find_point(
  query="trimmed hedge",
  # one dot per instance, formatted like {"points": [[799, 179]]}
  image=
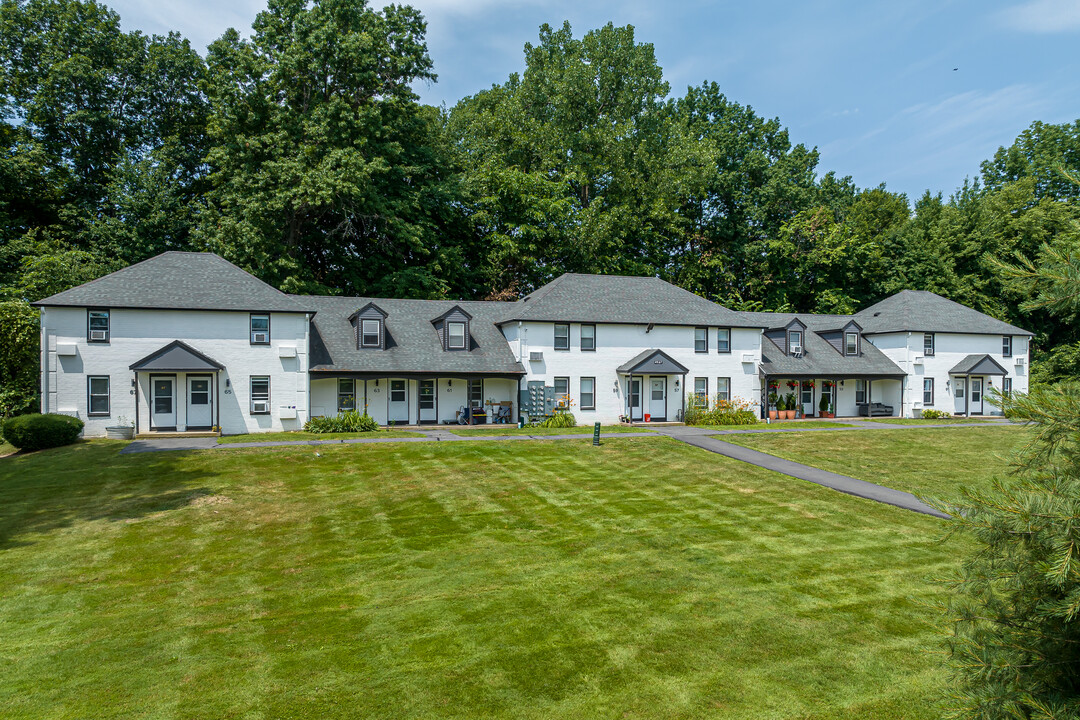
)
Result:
{"points": [[348, 421], [37, 432]]}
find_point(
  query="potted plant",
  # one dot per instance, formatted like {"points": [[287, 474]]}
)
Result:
{"points": [[825, 407], [774, 408], [789, 405], [123, 430]]}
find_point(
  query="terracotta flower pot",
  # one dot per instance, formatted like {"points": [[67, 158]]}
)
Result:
{"points": [[772, 414]]}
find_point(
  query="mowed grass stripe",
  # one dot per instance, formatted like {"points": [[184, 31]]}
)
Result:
{"points": [[644, 578]]}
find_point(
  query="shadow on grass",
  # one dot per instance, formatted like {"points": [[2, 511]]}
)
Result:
{"points": [[52, 489]]}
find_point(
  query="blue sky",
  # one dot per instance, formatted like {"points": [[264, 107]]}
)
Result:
{"points": [[870, 84]]}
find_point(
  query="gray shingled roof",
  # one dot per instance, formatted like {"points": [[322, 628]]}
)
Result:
{"points": [[820, 359], [180, 281], [645, 361], [177, 356], [819, 323], [978, 364], [413, 344], [923, 311], [620, 299]]}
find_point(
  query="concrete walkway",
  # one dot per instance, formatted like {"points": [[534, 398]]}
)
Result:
{"points": [[835, 481]]}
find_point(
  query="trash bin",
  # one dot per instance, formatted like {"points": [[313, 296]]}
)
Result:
{"points": [[648, 417]]}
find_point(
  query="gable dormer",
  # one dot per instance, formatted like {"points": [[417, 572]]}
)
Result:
{"points": [[454, 329], [795, 338], [369, 322], [846, 340]]}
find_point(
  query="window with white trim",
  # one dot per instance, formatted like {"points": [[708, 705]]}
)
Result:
{"points": [[928, 343], [723, 388], [851, 343], [346, 394], [1006, 345], [455, 333], [1006, 386], [260, 395], [97, 390], [476, 393], [723, 340], [370, 332], [562, 336], [588, 338], [795, 342], [259, 327], [860, 392], [928, 391], [97, 326], [588, 393]]}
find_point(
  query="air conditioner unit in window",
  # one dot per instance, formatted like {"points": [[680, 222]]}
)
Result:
{"points": [[99, 335], [260, 406], [259, 337], [796, 352]]}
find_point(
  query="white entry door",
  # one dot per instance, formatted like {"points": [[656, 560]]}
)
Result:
{"points": [[427, 401], [658, 398], [200, 408], [397, 409], [976, 396], [634, 398], [807, 399], [163, 403]]}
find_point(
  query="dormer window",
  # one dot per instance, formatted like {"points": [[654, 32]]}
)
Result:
{"points": [[795, 345], [370, 330], [455, 332], [851, 343]]}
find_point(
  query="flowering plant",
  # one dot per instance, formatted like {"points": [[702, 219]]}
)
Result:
{"points": [[792, 384], [808, 384], [826, 384]]}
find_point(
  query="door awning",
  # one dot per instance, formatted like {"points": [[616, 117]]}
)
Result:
{"points": [[978, 365], [176, 357], [652, 362]]}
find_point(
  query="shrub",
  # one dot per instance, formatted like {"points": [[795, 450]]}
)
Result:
{"points": [[560, 419], [935, 414], [724, 412], [348, 421], [37, 432]]}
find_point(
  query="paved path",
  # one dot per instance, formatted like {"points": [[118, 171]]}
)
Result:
{"points": [[843, 483]]}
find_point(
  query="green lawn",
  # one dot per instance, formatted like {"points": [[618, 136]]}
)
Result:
{"points": [[640, 579], [789, 425], [930, 462], [299, 435], [6, 448], [939, 421], [538, 431]]}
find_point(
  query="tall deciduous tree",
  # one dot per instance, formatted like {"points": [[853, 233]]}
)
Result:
{"points": [[327, 172]]}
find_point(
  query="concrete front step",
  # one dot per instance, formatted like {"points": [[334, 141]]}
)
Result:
{"points": [[167, 434]]}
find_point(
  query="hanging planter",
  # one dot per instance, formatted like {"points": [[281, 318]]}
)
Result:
{"points": [[792, 384], [808, 384]]}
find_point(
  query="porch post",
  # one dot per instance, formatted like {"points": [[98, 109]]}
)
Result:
{"points": [[137, 402], [902, 384], [630, 399], [967, 396], [682, 410]]}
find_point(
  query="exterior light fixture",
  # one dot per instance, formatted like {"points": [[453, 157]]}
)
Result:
{"points": [[676, 384]]}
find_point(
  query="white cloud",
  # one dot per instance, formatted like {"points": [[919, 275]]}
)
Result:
{"points": [[1042, 16]]}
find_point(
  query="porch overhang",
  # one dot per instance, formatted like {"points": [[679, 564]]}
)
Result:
{"points": [[979, 364], [652, 362], [177, 356]]}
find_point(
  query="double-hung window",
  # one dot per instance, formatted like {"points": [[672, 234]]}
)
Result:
{"points": [[795, 342], [928, 391], [260, 395], [851, 343], [346, 394], [928, 344], [588, 393], [1006, 345], [723, 340], [456, 335], [97, 391], [260, 329], [369, 333], [723, 388], [860, 392], [562, 391], [701, 392], [562, 336], [701, 340], [588, 338], [97, 326]]}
